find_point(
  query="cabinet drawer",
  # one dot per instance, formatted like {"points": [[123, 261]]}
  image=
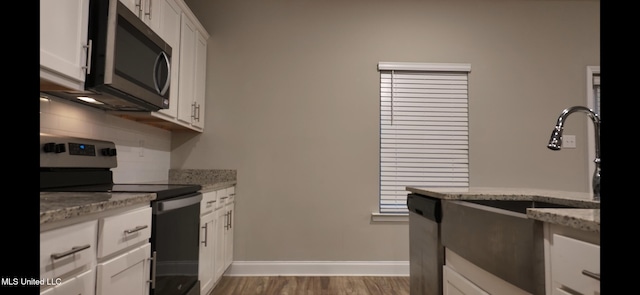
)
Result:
{"points": [[121, 231], [569, 259], [222, 197], [66, 249], [208, 202], [127, 273], [83, 284], [231, 192]]}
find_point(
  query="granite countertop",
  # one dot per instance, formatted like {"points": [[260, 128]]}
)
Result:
{"points": [[585, 217], [209, 179], [56, 206]]}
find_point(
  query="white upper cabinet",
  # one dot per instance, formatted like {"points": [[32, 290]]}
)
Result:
{"points": [[149, 11], [193, 53], [63, 42]]}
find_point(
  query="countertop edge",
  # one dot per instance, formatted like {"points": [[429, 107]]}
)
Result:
{"points": [[63, 205], [586, 217]]}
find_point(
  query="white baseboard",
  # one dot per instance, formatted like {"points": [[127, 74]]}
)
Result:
{"points": [[318, 268]]}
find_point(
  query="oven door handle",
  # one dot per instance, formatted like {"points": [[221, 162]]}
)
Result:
{"points": [[172, 204]]}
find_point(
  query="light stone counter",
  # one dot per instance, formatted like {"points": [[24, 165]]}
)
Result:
{"points": [[58, 206], [209, 179], [587, 217], [582, 219]]}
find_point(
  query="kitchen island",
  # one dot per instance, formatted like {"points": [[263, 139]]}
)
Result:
{"points": [[517, 240]]}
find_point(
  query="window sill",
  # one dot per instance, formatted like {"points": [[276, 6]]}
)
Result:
{"points": [[389, 217]]}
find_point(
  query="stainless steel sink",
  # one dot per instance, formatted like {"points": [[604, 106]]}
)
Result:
{"points": [[497, 236]]}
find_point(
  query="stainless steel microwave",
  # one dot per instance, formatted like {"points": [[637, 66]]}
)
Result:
{"points": [[129, 64]]}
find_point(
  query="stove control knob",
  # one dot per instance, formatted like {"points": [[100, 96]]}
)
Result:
{"points": [[52, 147], [109, 152], [60, 148], [49, 147]]}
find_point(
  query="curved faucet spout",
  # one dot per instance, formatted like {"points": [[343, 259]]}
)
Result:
{"points": [[555, 142]]}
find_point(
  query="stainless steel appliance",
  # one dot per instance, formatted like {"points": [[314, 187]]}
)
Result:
{"points": [[71, 164], [130, 65], [426, 253]]}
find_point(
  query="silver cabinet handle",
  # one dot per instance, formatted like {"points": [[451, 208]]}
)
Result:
{"points": [[139, 6], [193, 110], [153, 270], [222, 198], [73, 250], [591, 274], [226, 221], [137, 228], [209, 202], [205, 234], [89, 48], [230, 216], [149, 7]]}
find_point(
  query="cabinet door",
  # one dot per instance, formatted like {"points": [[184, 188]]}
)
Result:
{"points": [[571, 262], [83, 284], [63, 41], [125, 274], [200, 80], [187, 70], [455, 284], [124, 230], [228, 237], [133, 5], [206, 263], [221, 217], [67, 249]]}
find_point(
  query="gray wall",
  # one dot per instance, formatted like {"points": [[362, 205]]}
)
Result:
{"points": [[292, 104]]}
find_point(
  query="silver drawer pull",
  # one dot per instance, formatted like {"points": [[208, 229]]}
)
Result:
{"points": [[591, 274], [138, 228], [209, 202], [222, 198], [72, 251]]}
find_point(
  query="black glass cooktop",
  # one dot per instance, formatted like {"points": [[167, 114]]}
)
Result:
{"points": [[163, 191]]}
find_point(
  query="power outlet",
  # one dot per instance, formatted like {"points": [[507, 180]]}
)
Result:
{"points": [[141, 151], [569, 141]]}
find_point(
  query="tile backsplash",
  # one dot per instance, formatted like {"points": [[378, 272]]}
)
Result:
{"points": [[143, 151]]}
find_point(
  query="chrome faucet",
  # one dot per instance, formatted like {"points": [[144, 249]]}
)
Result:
{"points": [[555, 142]]}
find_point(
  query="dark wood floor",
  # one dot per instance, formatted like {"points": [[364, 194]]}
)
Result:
{"points": [[324, 285]]}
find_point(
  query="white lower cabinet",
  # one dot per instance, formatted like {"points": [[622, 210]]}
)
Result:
{"points": [[455, 284], [82, 284], [216, 236], [573, 259], [125, 274], [220, 242], [208, 239], [461, 276], [107, 253], [228, 233]]}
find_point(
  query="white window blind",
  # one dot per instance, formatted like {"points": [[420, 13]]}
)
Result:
{"points": [[424, 130]]}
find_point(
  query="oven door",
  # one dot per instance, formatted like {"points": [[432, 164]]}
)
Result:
{"points": [[175, 245]]}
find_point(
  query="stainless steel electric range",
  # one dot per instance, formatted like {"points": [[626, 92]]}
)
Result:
{"points": [[72, 164]]}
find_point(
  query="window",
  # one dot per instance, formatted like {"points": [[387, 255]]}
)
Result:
{"points": [[424, 129]]}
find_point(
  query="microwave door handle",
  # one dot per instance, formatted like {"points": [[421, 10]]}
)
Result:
{"points": [[164, 57]]}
